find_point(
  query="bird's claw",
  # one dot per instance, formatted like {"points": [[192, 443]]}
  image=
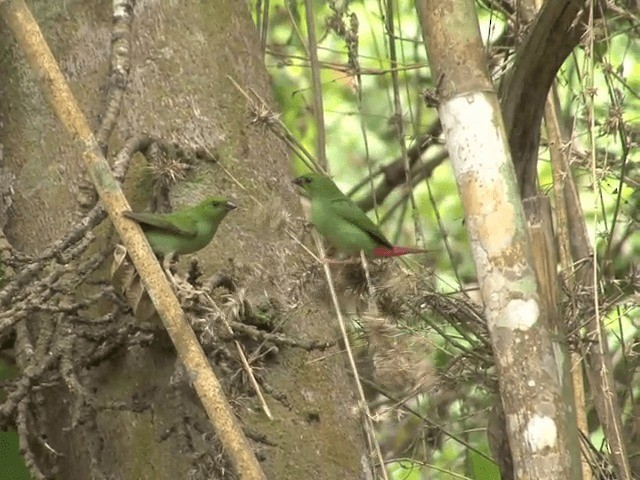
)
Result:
{"points": [[167, 263], [346, 261]]}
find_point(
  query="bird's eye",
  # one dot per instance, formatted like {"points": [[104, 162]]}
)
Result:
{"points": [[307, 180], [215, 203]]}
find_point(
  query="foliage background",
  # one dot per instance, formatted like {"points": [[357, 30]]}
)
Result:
{"points": [[442, 435], [362, 135]]}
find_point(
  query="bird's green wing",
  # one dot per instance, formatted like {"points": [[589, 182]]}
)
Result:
{"points": [[349, 211], [179, 224]]}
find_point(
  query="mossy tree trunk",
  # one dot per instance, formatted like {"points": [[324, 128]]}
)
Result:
{"points": [[131, 414]]}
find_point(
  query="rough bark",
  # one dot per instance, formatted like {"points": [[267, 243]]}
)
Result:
{"points": [[144, 422]]}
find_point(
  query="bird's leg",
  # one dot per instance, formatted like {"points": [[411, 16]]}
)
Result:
{"points": [[167, 263], [329, 258], [346, 261]]}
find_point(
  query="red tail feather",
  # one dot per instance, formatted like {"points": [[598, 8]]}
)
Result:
{"points": [[396, 251]]}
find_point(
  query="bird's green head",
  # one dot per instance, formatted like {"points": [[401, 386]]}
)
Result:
{"points": [[316, 184], [215, 207]]}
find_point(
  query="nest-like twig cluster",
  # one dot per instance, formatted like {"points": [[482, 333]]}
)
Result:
{"points": [[57, 334]]}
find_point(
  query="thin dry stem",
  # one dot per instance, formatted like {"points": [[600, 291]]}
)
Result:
{"points": [[561, 174], [318, 108], [600, 358], [245, 364], [352, 362]]}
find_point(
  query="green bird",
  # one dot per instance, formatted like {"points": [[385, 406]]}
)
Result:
{"points": [[343, 223], [184, 231]]}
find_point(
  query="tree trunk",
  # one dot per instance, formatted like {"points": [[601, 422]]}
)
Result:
{"points": [[534, 413], [131, 415]]}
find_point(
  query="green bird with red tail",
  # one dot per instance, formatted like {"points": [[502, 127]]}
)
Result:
{"points": [[342, 223]]}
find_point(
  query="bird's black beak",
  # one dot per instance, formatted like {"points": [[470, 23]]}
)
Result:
{"points": [[230, 206], [297, 181]]}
